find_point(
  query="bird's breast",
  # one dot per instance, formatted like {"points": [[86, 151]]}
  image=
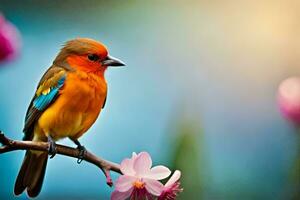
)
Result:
{"points": [[84, 92], [77, 107]]}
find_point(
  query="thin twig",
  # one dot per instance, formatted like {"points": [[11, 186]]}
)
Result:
{"points": [[13, 145]]}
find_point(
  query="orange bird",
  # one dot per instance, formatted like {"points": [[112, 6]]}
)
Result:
{"points": [[67, 102]]}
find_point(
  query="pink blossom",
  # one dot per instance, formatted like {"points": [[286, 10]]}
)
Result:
{"points": [[289, 99], [139, 180], [172, 187], [9, 40]]}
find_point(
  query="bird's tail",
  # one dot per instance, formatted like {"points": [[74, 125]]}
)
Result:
{"points": [[31, 174]]}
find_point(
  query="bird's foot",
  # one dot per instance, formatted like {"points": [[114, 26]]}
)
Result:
{"points": [[52, 147], [82, 151]]}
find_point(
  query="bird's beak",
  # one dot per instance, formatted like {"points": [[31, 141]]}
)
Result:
{"points": [[111, 61]]}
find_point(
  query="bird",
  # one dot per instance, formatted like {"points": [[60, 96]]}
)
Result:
{"points": [[67, 101]]}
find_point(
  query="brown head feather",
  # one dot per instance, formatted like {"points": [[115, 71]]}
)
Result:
{"points": [[80, 46]]}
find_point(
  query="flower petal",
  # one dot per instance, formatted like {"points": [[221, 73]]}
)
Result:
{"points": [[142, 164], [174, 178], [116, 195], [134, 155], [127, 167], [153, 186], [124, 183], [159, 172]]}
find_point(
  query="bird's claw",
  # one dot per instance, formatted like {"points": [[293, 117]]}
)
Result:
{"points": [[82, 151], [52, 148]]}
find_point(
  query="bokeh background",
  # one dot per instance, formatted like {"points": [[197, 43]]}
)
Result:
{"points": [[198, 92]]}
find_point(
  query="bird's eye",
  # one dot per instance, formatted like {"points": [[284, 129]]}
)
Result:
{"points": [[93, 57]]}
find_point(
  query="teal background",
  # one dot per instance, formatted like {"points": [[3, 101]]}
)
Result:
{"points": [[198, 92]]}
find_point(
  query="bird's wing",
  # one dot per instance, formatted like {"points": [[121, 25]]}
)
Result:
{"points": [[46, 93]]}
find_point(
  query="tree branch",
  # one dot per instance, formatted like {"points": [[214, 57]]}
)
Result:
{"points": [[9, 145]]}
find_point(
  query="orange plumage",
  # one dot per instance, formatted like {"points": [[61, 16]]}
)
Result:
{"points": [[67, 102], [77, 108]]}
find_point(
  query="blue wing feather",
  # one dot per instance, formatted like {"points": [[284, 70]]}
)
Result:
{"points": [[42, 101]]}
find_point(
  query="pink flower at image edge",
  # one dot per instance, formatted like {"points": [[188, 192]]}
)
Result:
{"points": [[10, 41], [289, 99]]}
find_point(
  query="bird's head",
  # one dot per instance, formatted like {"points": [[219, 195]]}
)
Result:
{"points": [[86, 55]]}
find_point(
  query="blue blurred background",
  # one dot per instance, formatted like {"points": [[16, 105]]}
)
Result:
{"points": [[198, 92]]}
